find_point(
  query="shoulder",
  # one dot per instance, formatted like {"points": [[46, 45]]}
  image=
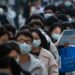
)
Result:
{"points": [[45, 52], [35, 62]]}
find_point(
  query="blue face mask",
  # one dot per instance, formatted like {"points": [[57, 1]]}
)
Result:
{"points": [[36, 43], [56, 36], [25, 48]]}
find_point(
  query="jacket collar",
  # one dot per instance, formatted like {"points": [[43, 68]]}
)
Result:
{"points": [[35, 63]]}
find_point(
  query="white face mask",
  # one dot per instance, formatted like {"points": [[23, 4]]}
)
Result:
{"points": [[25, 48], [36, 43], [68, 3], [17, 60], [56, 36], [48, 15]]}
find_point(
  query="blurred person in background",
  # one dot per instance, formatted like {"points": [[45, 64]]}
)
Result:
{"points": [[35, 18], [35, 23], [49, 10], [55, 32], [11, 49], [67, 25], [11, 30], [6, 66], [63, 17], [4, 35], [3, 18], [21, 18], [27, 61], [44, 55], [36, 7], [8, 51], [25, 28], [7, 16], [48, 23]]}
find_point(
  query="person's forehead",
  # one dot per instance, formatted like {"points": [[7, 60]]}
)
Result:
{"points": [[35, 35], [48, 11], [24, 37], [57, 28]]}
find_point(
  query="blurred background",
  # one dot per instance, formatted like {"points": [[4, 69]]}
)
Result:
{"points": [[20, 10]]}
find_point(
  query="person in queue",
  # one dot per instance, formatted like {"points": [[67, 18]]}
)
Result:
{"points": [[48, 43], [4, 35], [44, 55], [6, 67], [55, 32], [11, 50], [27, 61]]}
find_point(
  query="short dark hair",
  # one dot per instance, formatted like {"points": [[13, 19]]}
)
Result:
{"points": [[3, 31], [35, 16], [4, 49], [36, 23], [4, 62], [52, 7], [67, 24], [25, 33], [14, 45], [62, 17], [9, 27], [51, 20], [7, 47], [25, 27]]}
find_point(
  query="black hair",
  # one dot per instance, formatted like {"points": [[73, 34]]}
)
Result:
{"points": [[67, 24], [60, 8], [3, 19], [25, 27], [42, 37], [25, 33], [4, 62], [35, 16], [73, 24], [32, 24], [52, 7], [5, 49], [49, 21], [10, 28], [71, 12], [54, 25], [14, 45], [3, 31], [62, 17], [7, 62]]}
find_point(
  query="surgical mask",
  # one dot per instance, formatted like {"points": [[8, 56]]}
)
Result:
{"points": [[36, 43], [25, 48], [47, 15], [68, 3], [17, 60], [56, 36]]}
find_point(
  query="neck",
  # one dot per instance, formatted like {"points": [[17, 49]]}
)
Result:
{"points": [[24, 58], [36, 50]]}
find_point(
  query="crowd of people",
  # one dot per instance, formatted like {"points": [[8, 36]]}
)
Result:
{"points": [[28, 38]]}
